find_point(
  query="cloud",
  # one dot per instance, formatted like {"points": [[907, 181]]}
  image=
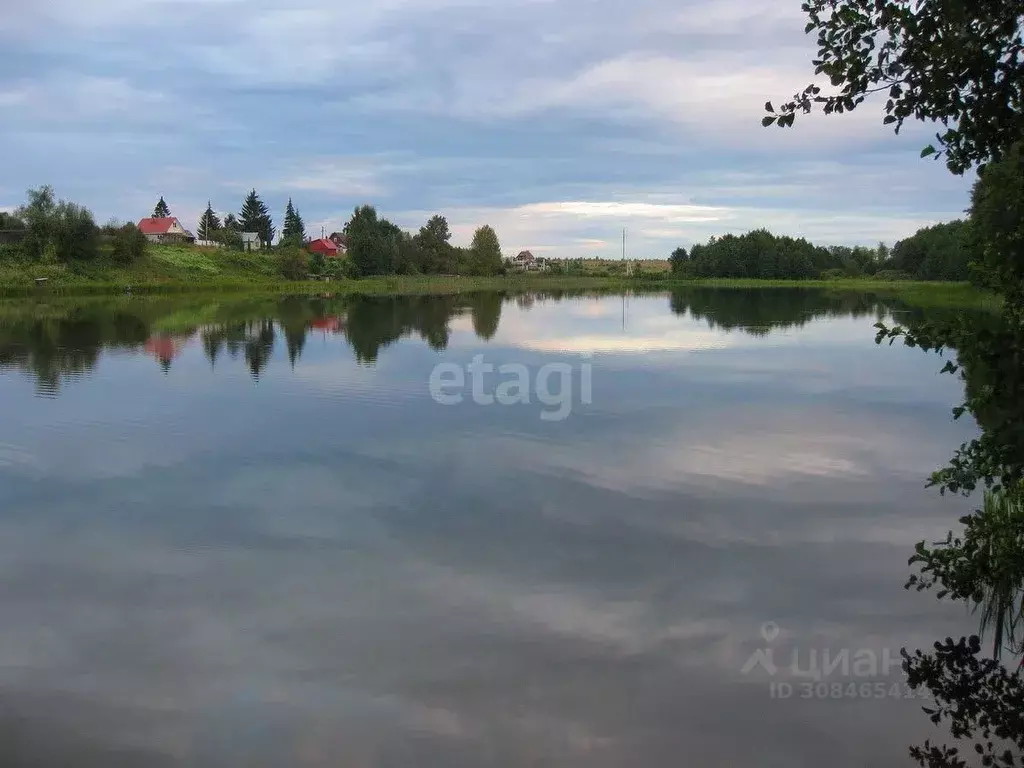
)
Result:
{"points": [[563, 121]]}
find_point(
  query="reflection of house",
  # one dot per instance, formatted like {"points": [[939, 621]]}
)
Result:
{"points": [[340, 239], [328, 323], [165, 347], [326, 246], [251, 241], [165, 229]]}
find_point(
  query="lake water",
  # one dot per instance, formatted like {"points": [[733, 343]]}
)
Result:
{"points": [[242, 531]]}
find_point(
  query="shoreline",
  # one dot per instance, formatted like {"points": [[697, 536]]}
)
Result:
{"points": [[416, 284]]}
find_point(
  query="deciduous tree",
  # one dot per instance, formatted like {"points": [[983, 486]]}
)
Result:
{"points": [[486, 252], [957, 62]]}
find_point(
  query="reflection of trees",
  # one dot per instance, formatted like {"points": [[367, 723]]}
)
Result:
{"points": [[259, 346], [758, 311], [60, 342], [55, 349], [486, 311], [379, 321]]}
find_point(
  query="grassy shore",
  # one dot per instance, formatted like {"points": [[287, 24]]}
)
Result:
{"points": [[185, 269]]}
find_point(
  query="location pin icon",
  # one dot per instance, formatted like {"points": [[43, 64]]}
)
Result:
{"points": [[769, 631]]}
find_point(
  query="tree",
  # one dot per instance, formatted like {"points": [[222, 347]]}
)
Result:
{"points": [[438, 255], [58, 230], [294, 231], [209, 223], [293, 263], [363, 231], [127, 243], [485, 252], [997, 218], [678, 260], [957, 62], [255, 217], [231, 223], [161, 211]]}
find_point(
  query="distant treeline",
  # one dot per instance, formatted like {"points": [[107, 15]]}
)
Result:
{"points": [[941, 252]]}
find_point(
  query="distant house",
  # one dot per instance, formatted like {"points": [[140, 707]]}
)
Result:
{"points": [[165, 229], [324, 245], [251, 241], [525, 260], [340, 239]]}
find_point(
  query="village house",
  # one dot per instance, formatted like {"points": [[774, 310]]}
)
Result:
{"points": [[166, 229], [326, 246], [525, 261], [340, 239], [251, 241]]}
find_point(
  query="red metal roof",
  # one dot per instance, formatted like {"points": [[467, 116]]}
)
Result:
{"points": [[157, 226], [323, 245]]}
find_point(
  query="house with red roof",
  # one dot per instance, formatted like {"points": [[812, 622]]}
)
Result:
{"points": [[165, 229], [326, 246]]}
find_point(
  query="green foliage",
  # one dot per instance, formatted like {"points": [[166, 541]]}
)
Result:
{"points": [[57, 230], [161, 211], [833, 274], [127, 243], [255, 217], [229, 237], [985, 566], [758, 254], [960, 63], [209, 223], [376, 246], [317, 264], [232, 224], [679, 260], [293, 263], [997, 215], [438, 256], [294, 231], [892, 275], [942, 252], [485, 252]]}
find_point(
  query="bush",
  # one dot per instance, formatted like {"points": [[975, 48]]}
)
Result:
{"points": [[127, 243], [293, 264], [317, 264], [229, 238], [833, 274], [76, 236]]}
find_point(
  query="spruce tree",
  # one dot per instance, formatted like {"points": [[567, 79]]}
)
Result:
{"points": [[231, 223], [161, 211], [209, 223], [294, 231], [255, 217]]}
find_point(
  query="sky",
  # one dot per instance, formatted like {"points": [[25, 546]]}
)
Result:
{"points": [[557, 122]]}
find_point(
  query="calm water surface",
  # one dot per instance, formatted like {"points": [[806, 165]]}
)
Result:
{"points": [[240, 532]]}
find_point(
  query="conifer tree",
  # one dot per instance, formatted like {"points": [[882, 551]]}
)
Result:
{"points": [[294, 231], [209, 223], [255, 217], [161, 211]]}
